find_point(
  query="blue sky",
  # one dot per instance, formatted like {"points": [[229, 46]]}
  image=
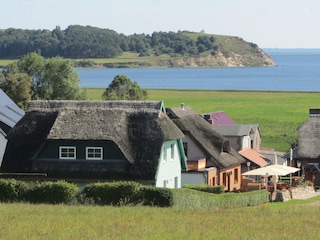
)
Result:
{"points": [[268, 23]]}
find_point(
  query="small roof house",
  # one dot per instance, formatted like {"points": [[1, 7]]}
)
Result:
{"points": [[10, 114], [97, 140], [307, 150], [241, 136], [206, 149], [309, 137]]}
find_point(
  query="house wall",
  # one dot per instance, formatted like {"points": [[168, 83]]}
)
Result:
{"points": [[208, 176], [238, 143], [193, 151], [230, 178], [51, 149], [169, 168], [245, 142], [257, 141], [235, 142], [112, 166], [193, 178]]}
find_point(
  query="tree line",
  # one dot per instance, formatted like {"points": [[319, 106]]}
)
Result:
{"points": [[91, 42]]}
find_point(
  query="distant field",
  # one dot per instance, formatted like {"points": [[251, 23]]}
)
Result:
{"points": [[278, 113]]}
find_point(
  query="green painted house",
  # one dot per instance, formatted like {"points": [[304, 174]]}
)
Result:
{"points": [[97, 140]]}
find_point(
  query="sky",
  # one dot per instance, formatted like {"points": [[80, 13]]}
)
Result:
{"points": [[267, 23]]}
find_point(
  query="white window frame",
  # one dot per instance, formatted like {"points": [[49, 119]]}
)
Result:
{"points": [[61, 148], [94, 148]]}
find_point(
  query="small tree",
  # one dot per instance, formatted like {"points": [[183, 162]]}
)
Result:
{"points": [[122, 88]]}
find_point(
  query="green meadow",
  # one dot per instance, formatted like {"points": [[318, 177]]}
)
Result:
{"points": [[295, 219], [278, 114]]}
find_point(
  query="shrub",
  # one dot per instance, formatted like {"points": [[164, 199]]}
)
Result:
{"points": [[112, 193], [11, 189], [52, 192], [192, 199], [161, 197], [206, 188]]}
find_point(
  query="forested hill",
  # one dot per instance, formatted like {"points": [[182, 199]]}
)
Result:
{"points": [[179, 49]]}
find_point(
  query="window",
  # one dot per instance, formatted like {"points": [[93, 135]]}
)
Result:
{"points": [[67, 152], [172, 151], [185, 147], [94, 153], [236, 175]]}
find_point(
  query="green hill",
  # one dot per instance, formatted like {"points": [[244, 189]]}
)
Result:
{"points": [[96, 47]]}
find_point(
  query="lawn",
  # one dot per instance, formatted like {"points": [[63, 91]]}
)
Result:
{"points": [[278, 114], [289, 220]]}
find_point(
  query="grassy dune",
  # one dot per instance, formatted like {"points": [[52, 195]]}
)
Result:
{"points": [[278, 113]]}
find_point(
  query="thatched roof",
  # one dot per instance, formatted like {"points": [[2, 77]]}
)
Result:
{"points": [[214, 145], [309, 136], [138, 128]]}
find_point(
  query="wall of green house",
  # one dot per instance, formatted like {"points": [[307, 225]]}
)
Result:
{"points": [[110, 149]]}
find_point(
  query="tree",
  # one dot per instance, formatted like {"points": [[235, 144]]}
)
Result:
{"points": [[122, 88], [33, 65], [16, 85], [59, 81], [34, 77]]}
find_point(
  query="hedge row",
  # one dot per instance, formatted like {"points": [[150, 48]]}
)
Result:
{"points": [[124, 193], [206, 188], [109, 193]]}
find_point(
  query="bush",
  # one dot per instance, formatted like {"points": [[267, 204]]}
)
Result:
{"points": [[206, 188], [113, 193], [161, 197], [52, 192], [193, 199], [11, 190]]}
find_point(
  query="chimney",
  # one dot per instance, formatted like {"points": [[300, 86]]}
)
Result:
{"points": [[182, 106]]}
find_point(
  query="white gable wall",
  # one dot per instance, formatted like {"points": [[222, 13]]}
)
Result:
{"points": [[169, 168], [246, 142]]}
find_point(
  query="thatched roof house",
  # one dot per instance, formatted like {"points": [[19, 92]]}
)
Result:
{"points": [[202, 142], [58, 138], [217, 148], [309, 137]]}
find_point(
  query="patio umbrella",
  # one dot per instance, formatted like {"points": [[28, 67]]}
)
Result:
{"points": [[272, 170]]}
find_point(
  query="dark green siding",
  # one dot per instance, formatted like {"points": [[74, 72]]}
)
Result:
{"points": [[110, 150]]}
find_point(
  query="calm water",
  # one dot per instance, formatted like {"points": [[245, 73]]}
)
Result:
{"points": [[296, 70]]}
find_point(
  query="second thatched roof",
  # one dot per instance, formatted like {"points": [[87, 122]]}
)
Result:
{"points": [[214, 145]]}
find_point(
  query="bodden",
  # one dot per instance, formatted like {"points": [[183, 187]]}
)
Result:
{"points": [[295, 70]]}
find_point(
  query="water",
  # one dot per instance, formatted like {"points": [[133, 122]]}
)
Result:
{"points": [[296, 70]]}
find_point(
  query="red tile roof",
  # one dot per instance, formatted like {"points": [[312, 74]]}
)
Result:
{"points": [[254, 156]]}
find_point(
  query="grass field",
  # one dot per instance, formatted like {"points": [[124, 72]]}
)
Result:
{"points": [[290, 220], [278, 113]]}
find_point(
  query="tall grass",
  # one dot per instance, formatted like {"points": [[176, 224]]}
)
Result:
{"points": [[278, 114], [268, 221]]}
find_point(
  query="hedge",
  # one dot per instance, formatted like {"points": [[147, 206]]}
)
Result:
{"points": [[11, 190], [112, 193], [52, 193], [193, 199], [206, 188]]}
